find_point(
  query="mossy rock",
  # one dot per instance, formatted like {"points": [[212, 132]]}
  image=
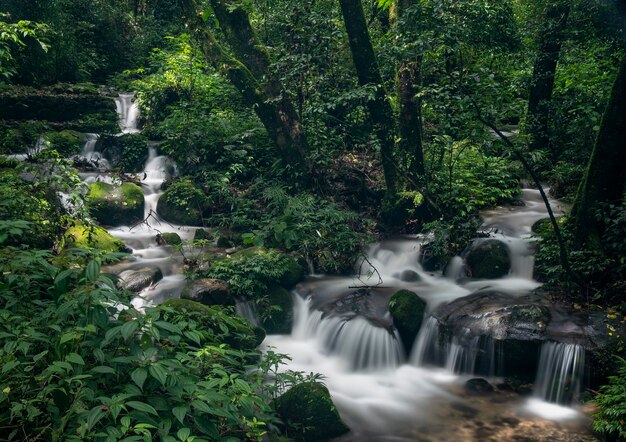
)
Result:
{"points": [[309, 413], [169, 239], [115, 205], [209, 292], [240, 334], [407, 311], [92, 237], [229, 238], [277, 316], [202, 235], [66, 142], [488, 259], [182, 203]]}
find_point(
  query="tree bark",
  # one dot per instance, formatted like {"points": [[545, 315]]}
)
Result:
{"points": [[368, 74], [542, 83], [410, 119], [605, 178], [249, 70]]}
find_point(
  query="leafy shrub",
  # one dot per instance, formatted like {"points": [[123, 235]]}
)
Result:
{"points": [[611, 405], [182, 203], [80, 363], [66, 142]]}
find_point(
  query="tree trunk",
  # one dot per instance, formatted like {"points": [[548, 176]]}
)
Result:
{"points": [[368, 74], [542, 83], [249, 71], [605, 178], [410, 118]]}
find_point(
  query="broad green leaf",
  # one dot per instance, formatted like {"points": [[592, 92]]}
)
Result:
{"points": [[139, 377], [158, 373], [93, 270], [129, 328], [180, 413], [94, 416], [183, 434], [75, 358], [142, 406], [103, 369], [169, 327]]}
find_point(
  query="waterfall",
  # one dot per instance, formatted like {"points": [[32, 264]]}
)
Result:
{"points": [[247, 309], [426, 347], [454, 269], [128, 112], [560, 372]]}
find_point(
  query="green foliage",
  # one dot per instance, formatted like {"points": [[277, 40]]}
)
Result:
{"points": [[183, 203], [448, 237], [134, 152], [250, 272], [19, 138], [65, 142], [80, 363], [611, 405], [468, 179], [12, 36], [330, 236]]}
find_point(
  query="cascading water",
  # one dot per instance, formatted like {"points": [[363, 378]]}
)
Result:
{"points": [[560, 372], [128, 112], [344, 332]]}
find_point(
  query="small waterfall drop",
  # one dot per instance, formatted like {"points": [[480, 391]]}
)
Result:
{"points": [[560, 372], [454, 270], [128, 112], [426, 348]]}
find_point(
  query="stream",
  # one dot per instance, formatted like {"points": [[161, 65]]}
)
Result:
{"points": [[349, 338]]}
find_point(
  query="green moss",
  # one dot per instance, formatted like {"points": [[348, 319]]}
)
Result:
{"points": [[171, 238], [115, 205], [182, 203], [92, 237], [407, 310], [489, 259], [309, 413], [202, 235], [277, 314]]}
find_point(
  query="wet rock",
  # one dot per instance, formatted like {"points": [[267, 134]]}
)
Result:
{"points": [[209, 292], [407, 311], [168, 239], [309, 413], [139, 279], [182, 203], [479, 385], [114, 205], [410, 276], [488, 259], [202, 235], [92, 237], [429, 261]]}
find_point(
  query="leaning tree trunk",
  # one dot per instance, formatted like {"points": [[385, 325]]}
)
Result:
{"points": [[542, 83], [605, 178], [249, 70], [410, 118], [368, 74]]}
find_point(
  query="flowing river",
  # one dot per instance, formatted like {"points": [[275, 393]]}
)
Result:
{"points": [[383, 391]]}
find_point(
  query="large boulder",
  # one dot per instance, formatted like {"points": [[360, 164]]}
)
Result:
{"points": [[488, 259], [407, 311], [139, 279], [168, 239], [113, 205], [309, 413], [209, 292], [182, 203], [277, 315], [92, 237]]}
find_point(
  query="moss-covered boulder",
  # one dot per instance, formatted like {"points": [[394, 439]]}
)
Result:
{"points": [[209, 291], [309, 413], [92, 237], [182, 203], [407, 311], [168, 239], [488, 259], [277, 314], [225, 327], [202, 235], [113, 205]]}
